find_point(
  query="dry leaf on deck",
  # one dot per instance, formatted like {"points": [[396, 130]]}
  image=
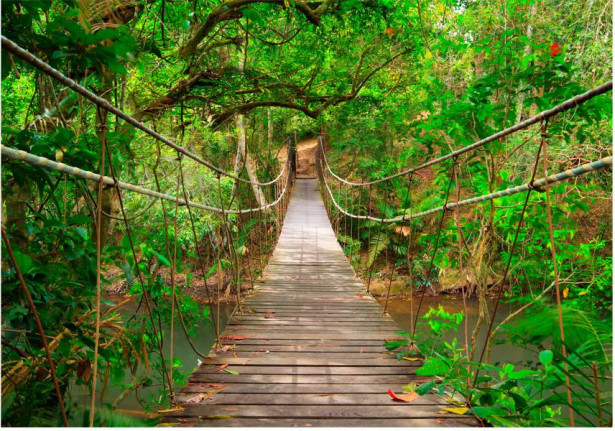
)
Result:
{"points": [[456, 410], [404, 398]]}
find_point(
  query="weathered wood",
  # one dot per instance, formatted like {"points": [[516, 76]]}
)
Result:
{"points": [[291, 388], [391, 411], [284, 361], [381, 398], [228, 421], [308, 349]]}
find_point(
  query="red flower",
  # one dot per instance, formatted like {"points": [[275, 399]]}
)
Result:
{"points": [[555, 49]]}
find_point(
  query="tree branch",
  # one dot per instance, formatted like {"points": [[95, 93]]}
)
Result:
{"points": [[232, 9]]}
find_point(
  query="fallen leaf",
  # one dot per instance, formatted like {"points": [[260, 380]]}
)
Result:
{"points": [[223, 366], [233, 372], [232, 337], [226, 348], [404, 398], [456, 410], [247, 361], [408, 358]]}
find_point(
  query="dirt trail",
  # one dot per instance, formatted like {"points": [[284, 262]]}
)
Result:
{"points": [[306, 158]]}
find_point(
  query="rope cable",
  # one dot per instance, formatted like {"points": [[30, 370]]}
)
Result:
{"points": [[544, 115], [538, 184], [32, 159], [44, 67]]}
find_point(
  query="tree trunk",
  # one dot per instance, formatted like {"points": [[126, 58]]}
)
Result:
{"points": [[249, 165]]}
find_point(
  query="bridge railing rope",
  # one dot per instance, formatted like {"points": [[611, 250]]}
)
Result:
{"points": [[335, 191], [234, 244]]}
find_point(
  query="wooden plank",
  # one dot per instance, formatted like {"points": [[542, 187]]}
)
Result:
{"points": [[222, 377], [382, 398], [291, 388], [317, 411], [284, 361], [308, 349], [178, 421], [322, 342], [298, 370]]}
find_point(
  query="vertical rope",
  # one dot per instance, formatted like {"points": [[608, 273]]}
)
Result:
{"points": [[369, 222], [409, 252], [463, 293], [39, 326], [435, 250], [500, 285], [544, 137], [386, 303], [198, 253], [371, 268], [145, 294], [231, 250], [173, 269], [346, 242], [352, 227], [102, 116]]}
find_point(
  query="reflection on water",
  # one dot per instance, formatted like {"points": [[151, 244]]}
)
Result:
{"points": [[203, 341], [403, 310]]}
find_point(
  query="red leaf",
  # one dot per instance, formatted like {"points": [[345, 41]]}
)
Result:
{"points": [[555, 49], [223, 366], [404, 398]]}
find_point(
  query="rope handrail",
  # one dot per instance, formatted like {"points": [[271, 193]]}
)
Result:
{"points": [[562, 107], [554, 178], [30, 58], [109, 181]]}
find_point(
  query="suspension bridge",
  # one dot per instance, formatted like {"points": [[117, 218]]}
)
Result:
{"points": [[306, 347]]}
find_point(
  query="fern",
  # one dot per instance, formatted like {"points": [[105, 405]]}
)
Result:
{"points": [[378, 243]]}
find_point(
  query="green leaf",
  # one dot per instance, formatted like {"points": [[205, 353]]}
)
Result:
{"points": [[162, 259], [521, 374], [425, 388], [545, 357], [433, 367], [24, 262], [485, 412]]}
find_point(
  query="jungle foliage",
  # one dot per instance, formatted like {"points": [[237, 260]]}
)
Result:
{"points": [[392, 82]]}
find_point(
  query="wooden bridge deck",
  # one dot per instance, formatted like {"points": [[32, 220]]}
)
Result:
{"points": [[309, 345]]}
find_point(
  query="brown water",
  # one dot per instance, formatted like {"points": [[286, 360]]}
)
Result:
{"points": [[80, 395], [403, 310]]}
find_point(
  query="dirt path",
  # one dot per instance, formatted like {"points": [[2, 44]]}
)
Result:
{"points": [[306, 158]]}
